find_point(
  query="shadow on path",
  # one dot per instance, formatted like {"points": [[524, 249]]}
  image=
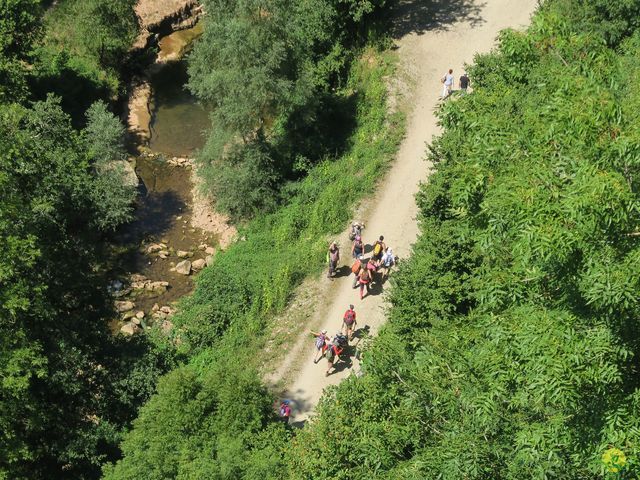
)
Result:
{"points": [[420, 16]]}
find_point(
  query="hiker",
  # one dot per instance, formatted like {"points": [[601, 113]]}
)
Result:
{"points": [[357, 249], [321, 344], [285, 411], [378, 250], [349, 322], [464, 83], [334, 350], [355, 269], [331, 356], [388, 261], [447, 83], [334, 256], [364, 279], [356, 229], [372, 266]]}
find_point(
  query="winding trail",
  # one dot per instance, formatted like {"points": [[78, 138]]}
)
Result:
{"points": [[431, 37]]}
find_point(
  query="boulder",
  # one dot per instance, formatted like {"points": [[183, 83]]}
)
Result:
{"points": [[155, 247], [140, 314], [165, 309], [128, 315], [163, 254], [136, 321], [199, 264], [130, 328], [157, 286], [137, 277], [124, 306], [155, 307], [209, 260], [183, 268], [139, 285], [210, 250], [183, 254]]}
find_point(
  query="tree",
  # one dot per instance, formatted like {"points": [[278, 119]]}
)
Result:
{"points": [[19, 29], [67, 383]]}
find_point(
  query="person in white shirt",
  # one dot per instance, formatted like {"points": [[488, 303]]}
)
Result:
{"points": [[447, 83]]}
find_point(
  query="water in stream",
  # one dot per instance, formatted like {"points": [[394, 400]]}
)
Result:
{"points": [[178, 121]]}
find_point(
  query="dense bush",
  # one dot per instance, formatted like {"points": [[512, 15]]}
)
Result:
{"points": [[513, 335]]}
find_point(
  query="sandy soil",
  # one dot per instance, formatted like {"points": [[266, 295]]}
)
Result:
{"points": [[205, 217], [431, 37]]}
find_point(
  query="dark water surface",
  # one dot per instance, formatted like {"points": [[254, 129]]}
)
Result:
{"points": [[178, 121]]}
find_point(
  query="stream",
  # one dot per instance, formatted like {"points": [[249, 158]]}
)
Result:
{"points": [[148, 249]]}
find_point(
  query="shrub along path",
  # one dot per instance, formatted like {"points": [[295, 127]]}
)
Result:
{"points": [[432, 37]]}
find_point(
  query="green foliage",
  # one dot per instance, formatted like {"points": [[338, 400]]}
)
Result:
{"points": [[511, 347], [270, 70], [19, 29], [213, 425], [68, 387], [112, 193], [96, 32], [247, 181]]}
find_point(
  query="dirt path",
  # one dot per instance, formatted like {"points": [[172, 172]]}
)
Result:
{"points": [[432, 36]]}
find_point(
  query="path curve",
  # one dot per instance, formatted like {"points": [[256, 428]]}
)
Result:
{"points": [[431, 36]]}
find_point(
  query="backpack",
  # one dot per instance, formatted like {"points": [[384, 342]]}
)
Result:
{"points": [[341, 340], [377, 249], [349, 317], [284, 410], [320, 342], [355, 268]]}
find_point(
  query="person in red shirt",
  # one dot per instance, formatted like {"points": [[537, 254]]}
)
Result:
{"points": [[285, 411], [349, 322]]}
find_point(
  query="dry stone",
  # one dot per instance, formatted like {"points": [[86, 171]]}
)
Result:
{"points": [[183, 268], [130, 328], [124, 306], [198, 264], [155, 247]]}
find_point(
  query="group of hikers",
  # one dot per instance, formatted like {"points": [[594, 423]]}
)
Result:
{"points": [[364, 271], [332, 348]]}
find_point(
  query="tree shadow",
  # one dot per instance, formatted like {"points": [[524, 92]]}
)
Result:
{"points": [[155, 215], [420, 16]]}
